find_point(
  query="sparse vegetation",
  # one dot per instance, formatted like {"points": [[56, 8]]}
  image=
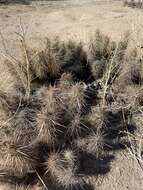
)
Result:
{"points": [[6, 2], [63, 106], [134, 3]]}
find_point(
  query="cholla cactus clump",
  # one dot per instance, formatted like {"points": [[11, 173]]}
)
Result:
{"points": [[48, 117], [52, 112], [16, 158], [63, 167]]}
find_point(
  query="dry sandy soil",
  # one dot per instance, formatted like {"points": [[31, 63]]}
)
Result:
{"points": [[77, 19], [68, 19]]}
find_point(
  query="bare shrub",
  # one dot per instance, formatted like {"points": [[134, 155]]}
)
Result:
{"points": [[103, 51]]}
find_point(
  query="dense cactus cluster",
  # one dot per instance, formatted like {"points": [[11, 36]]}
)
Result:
{"points": [[63, 106]]}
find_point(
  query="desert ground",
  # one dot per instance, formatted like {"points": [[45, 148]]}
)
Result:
{"points": [[77, 20]]}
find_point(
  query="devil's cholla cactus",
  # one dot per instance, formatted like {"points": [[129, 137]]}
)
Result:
{"points": [[42, 135], [63, 167]]}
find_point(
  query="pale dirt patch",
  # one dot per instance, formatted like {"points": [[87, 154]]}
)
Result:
{"points": [[67, 19]]}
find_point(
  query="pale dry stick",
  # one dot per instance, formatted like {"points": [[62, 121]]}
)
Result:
{"points": [[138, 40], [13, 114], [13, 62], [116, 74], [39, 177], [3, 43], [22, 35], [5, 47], [133, 152], [23, 42], [140, 147], [22, 187], [27, 69], [108, 74], [138, 137]]}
